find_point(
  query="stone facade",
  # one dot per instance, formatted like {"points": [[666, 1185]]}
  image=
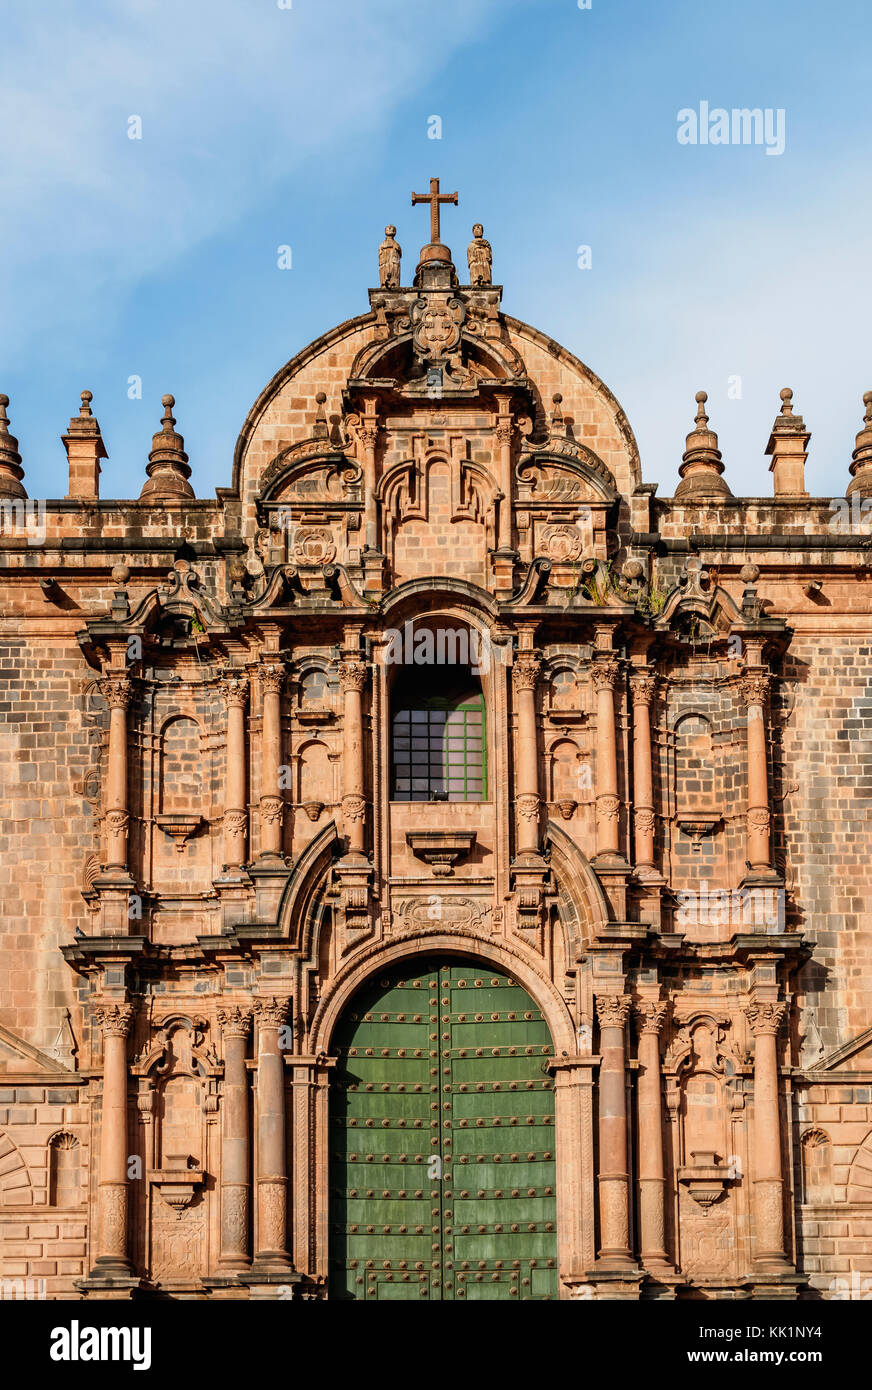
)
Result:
{"points": [[208, 847]]}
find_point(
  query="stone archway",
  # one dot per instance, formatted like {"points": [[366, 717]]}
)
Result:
{"points": [[441, 1138]]}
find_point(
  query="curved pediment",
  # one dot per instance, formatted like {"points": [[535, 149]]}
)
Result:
{"points": [[401, 361], [563, 471], [315, 470]]}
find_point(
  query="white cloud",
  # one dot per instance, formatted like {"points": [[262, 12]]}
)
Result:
{"points": [[232, 97]]}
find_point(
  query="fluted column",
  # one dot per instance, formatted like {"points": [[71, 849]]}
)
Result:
{"points": [[605, 678], [234, 688], [235, 1141], [755, 692], [612, 1011], [272, 676], [352, 681], [272, 1172], [765, 1020], [114, 1020], [642, 688], [525, 674], [117, 692], [651, 1015]]}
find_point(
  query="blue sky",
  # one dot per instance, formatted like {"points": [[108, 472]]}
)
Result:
{"points": [[308, 126]]}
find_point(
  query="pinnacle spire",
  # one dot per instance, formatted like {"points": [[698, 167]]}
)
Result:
{"points": [[701, 465], [168, 468], [11, 471], [861, 459]]}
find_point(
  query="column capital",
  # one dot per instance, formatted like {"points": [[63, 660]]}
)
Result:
{"points": [[526, 671], [233, 685], [272, 1012], [235, 1022], [116, 689], [352, 676], [605, 674], [754, 687], [612, 1010], [643, 686], [651, 1014], [271, 673], [113, 1019], [765, 1017]]}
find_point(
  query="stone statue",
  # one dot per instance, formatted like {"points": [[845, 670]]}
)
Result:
{"points": [[389, 257], [480, 257]]}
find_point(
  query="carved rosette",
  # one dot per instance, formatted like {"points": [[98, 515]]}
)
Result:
{"points": [[612, 1010], [352, 676], [235, 824], [273, 1012], [605, 674], [527, 805], [754, 689], [607, 807], [765, 1017], [353, 809], [651, 1015], [113, 1019], [525, 673], [116, 822], [234, 688], [643, 689], [271, 809], [758, 818], [117, 691], [643, 820], [235, 1022]]}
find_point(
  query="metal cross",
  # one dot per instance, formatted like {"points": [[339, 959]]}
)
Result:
{"points": [[434, 198]]}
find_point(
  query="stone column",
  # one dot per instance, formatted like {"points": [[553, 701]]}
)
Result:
{"points": [[642, 688], [755, 691], [765, 1020], [272, 676], [235, 1141], [367, 433], [605, 678], [525, 674], [352, 680], [503, 437], [612, 1011], [651, 1015], [114, 1020], [116, 690], [234, 688], [272, 1174]]}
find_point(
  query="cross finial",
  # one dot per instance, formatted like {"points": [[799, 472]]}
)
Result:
{"points": [[434, 198]]}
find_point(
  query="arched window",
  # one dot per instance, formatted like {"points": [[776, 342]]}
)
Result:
{"points": [[438, 737], [313, 689]]}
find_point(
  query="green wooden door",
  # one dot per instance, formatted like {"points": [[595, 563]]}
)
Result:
{"points": [[442, 1175]]}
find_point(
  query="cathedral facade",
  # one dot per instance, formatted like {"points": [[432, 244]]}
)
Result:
{"points": [[436, 867]]}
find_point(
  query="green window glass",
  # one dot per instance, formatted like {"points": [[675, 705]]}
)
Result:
{"points": [[439, 749]]}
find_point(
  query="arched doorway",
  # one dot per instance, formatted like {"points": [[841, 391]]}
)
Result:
{"points": [[442, 1171]]}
